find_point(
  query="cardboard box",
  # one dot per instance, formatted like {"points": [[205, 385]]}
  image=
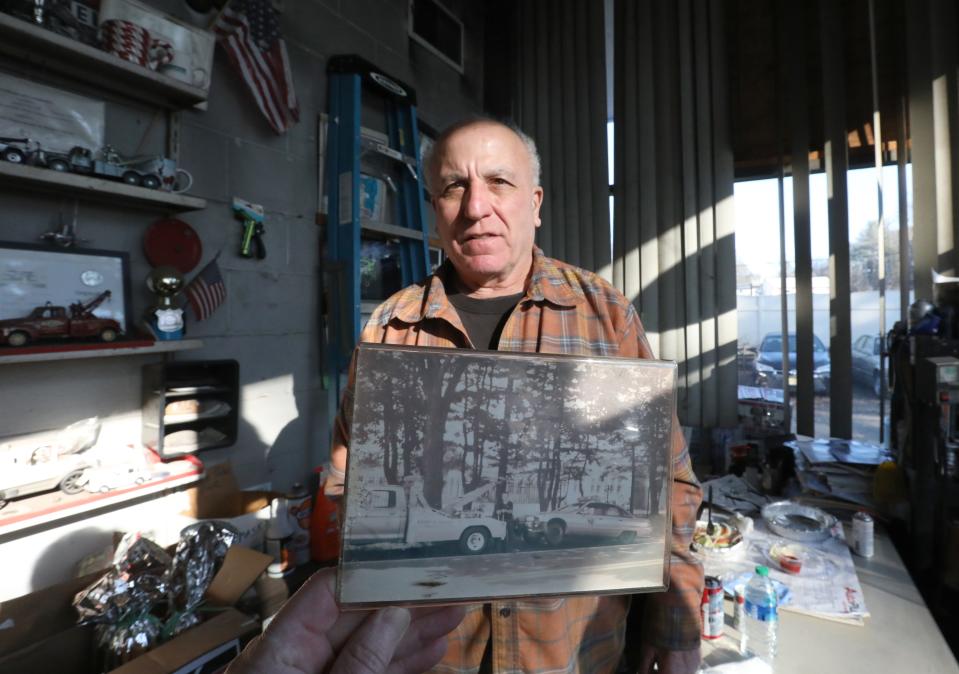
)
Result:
{"points": [[218, 497], [214, 642], [40, 634]]}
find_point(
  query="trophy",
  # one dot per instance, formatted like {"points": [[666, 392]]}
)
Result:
{"points": [[165, 317]]}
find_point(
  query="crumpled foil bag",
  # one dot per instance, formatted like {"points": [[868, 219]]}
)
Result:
{"points": [[131, 587], [120, 602], [127, 640], [198, 557]]}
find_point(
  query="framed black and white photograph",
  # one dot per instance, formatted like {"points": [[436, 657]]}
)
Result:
{"points": [[475, 475], [82, 282]]}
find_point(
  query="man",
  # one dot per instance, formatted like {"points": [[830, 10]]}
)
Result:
{"points": [[497, 290]]}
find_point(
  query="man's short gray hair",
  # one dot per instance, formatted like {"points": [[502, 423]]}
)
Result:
{"points": [[431, 157]]}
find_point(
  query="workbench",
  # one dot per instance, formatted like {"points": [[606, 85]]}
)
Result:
{"points": [[900, 636]]}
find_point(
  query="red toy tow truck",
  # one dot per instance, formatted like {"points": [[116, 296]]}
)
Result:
{"points": [[51, 321]]}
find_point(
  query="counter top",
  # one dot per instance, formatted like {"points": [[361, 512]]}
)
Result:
{"points": [[899, 636]]}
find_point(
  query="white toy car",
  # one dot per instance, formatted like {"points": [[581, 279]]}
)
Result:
{"points": [[49, 460], [107, 478], [24, 478]]}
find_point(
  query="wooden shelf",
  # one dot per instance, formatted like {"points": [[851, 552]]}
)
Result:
{"points": [[96, 189], [60, 54], [32, 354], [45, 511]]}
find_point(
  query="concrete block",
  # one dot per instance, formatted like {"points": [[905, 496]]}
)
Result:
{"points": [[54, 394], [384, 20], [248, 176], [269, 364], [204, 154], [271, 303], [134, 130], [305, 187], [304, 246], [320, 29], [309, 80]]}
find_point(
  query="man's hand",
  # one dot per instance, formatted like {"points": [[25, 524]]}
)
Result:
{"points": [[310, 635], [668, 662]]}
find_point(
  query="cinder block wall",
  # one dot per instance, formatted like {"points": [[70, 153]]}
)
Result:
{"points": [[270, 322]]}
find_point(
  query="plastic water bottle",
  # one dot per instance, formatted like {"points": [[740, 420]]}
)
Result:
{"points": [[761, 622]]}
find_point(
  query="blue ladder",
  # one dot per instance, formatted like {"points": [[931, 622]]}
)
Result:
{"points": [[348, 77]]}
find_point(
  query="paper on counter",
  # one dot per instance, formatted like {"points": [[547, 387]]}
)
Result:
{"points": [[827, 587]]}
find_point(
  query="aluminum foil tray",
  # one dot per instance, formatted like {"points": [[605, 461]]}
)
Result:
{"points": [[798, 522]]}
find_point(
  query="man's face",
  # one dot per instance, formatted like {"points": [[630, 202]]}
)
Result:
{"points": [[487, 208]]}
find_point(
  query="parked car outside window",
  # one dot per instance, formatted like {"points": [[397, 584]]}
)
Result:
{"points": [[866, 356], [768, 366]]}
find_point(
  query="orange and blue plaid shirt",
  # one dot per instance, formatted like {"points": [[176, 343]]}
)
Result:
{"points": [[572, 311]]}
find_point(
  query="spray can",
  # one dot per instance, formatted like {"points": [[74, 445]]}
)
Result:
{"points": [[712, 608], [862, 534], [298, 508], [278, 535]]}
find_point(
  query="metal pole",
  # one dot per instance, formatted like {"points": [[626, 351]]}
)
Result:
{"points": [[784, 299], [905, 268], [881, 238]]}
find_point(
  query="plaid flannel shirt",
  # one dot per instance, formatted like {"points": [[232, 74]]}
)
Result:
{"points": [[572, 311]]}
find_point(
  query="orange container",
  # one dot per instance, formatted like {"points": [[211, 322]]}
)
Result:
{"points": [[324, 526]]}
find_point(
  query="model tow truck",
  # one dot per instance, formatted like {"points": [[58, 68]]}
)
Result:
{"points": [[392, 517], [51, 321], [106, 164]]}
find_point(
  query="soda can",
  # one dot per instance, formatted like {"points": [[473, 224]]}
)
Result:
{"points": [[712, 608], [862, 534]]}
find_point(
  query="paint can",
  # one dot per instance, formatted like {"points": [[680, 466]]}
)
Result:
{"points": [[862, 534], [712, 608]]}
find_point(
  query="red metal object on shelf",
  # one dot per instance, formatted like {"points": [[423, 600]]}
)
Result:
{"points": [[170, 242], [324, 526]]}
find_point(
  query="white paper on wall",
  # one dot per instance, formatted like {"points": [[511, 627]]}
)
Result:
{"points": [[56, 119]]}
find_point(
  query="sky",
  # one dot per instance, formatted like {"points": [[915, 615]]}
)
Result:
{"points": [[757, 214], [757, 211]]}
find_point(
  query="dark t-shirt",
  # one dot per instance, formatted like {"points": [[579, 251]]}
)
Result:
{"points": [[484, 319]]}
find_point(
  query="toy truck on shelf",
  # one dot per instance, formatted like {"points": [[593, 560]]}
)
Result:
{"points": [[150, 171], [20, 151], [108, 165], [389, 516], [51, 321]]}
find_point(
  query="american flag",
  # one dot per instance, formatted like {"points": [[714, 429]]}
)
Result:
{"points": [[206, 291], [249, 31]]}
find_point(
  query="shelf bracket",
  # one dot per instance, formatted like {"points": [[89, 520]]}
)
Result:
{"points": [[173, 135]]}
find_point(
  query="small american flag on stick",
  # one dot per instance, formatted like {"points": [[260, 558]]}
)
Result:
{"points": [[206, 291], [249, 31]]}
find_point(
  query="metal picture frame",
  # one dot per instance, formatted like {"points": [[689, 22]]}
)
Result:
{"points": [[33, 275], [478, 475]]}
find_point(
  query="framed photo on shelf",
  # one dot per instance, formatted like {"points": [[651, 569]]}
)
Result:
{"points": [[476, 475], [33, 276]]}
